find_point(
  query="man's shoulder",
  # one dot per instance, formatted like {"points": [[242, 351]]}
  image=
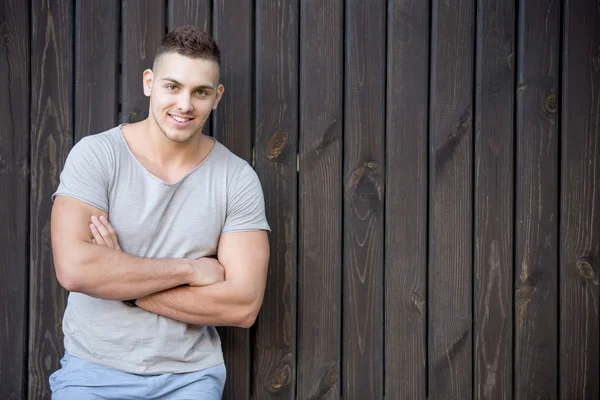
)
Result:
{"points": [[226, 157], [106, 142]]}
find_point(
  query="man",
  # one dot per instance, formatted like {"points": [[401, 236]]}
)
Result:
{"points": [[140, 322]]}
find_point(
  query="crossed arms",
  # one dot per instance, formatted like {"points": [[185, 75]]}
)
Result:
{"points": [[227, 291]]}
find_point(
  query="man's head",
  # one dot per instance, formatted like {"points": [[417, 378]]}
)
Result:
{"points": [[183, 84]]}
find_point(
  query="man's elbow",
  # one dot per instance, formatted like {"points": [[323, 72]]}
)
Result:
{"points": [[69, 272], [246, 317], [69, 277]]}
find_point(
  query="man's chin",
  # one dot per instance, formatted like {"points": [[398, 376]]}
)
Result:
{"points": [[181, 137]]}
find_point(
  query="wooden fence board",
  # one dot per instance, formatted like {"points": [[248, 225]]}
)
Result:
{"points": [[320, 208], [494, 191], [96, 66], [143, 29], [14, 181], [450, 252], [233, 30], [276, 148], [51, 139], [346, 313], [191, 12], [406, 200], [197, 13], [364, 174], [536, 202], [580, 203]]}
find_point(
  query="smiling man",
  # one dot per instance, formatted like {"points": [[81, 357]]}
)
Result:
{"points": [[192, 251]]}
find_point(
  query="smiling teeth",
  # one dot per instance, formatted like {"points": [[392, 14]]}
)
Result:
{"points": [[179, 118]]}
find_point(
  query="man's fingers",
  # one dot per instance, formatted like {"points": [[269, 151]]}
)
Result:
{"points": [[104, 233], [111, 231], [97, 237]]}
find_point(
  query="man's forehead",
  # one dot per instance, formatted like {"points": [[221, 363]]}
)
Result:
{"points": [[186, 70]]}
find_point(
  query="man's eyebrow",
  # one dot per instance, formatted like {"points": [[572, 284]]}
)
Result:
{"points": [[179, 84]]}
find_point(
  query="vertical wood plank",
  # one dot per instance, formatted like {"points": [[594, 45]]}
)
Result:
{"points": [[191, 12], [364, 172], [96, 61], [143, 29], [233, 30], [14, 179], [197, 13], [406, 199], [580, 202], [320, 227], [450, 251], [494, 191], [536, 327], [51, 139], [276, 149]]}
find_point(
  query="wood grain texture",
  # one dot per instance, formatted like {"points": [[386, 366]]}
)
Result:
{"points": [[197, 13], [14, 179], [536, 344], [580, 202], [364, 174], [451, 199], [274, 364], [143, 29], [406, 199], [320, 207], [494, 191], [51, 139], [233, 30], [96, 61], [191, 12]]}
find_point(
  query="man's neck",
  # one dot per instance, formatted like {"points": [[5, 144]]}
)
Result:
{"points": [[162, 152]]}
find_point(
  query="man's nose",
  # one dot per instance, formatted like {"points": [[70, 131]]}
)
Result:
{"points": [[184, 102]]}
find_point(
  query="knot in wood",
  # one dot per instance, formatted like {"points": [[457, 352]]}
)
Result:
{"points": [[525, 292], [276, 145], [357, 176], [279, 378], [550, 103], [136, 115], [584, 268], [596, 59], [465, 118]]}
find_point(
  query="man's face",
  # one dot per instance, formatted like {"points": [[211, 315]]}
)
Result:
{"points": [[183, 91]]}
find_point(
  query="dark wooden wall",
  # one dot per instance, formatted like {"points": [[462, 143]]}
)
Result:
{"points": [[431, 172]]}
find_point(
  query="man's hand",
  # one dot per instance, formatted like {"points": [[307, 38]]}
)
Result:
{"points": [[207, 271], [103, 233]]}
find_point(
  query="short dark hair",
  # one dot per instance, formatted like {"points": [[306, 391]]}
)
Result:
{"points": [[191, 42]]}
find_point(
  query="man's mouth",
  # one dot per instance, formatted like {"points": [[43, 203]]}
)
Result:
{"points": [[180, 119]]}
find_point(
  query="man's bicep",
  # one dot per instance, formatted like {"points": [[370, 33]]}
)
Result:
{"points": [[70, 221], [245, 257]]}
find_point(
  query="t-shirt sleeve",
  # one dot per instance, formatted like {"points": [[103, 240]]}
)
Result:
{"points": [[245, 204], [86, 175]]}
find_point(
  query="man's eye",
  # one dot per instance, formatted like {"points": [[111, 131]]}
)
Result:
{"points": [[201, 93], [171, 87]]}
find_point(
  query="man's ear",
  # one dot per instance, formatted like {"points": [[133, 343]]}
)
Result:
{"points": [[147, 81], [220, 91]]}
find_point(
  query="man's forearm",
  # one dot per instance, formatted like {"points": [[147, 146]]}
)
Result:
{"points": [[106, 273], [221, 304]]}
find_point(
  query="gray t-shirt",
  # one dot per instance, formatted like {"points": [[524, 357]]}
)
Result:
{"points": [[154, 219]]}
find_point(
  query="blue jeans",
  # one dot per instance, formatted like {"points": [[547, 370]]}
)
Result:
{"points": [[82, 380]]}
